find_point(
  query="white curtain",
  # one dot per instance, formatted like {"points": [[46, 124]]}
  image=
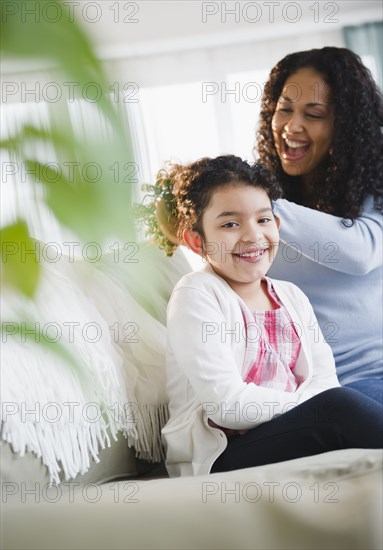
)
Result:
{"points": [[21, 193], [367, 41]]}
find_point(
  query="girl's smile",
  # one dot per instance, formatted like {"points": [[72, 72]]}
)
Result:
{"points": [[251, 254], [240, 235]]}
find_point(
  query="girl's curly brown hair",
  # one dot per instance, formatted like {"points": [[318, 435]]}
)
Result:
{"points": [[355, 167], [180, 194], [194, 185]]}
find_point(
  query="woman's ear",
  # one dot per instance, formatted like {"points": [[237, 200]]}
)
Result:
{"points": [[277, 221], [193, 240]]}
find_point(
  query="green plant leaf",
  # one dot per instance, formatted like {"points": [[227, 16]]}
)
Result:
{"points": [[48, 31], [20, 267]]}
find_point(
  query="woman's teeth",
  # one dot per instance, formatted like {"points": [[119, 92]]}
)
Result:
{"points": [[294, 150], [294, 144]]}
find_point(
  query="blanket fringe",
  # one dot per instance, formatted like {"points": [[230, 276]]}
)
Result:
{"points": [[118, 369], [72, 445], [151, 420]]}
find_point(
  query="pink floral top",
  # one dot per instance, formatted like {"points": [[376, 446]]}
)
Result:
{"points": [[277, 344]]}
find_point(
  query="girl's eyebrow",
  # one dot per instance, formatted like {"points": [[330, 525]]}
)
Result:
{"points": [[227, 213]]}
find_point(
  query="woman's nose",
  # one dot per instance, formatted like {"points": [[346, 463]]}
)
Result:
{"points": [[294, 124]]}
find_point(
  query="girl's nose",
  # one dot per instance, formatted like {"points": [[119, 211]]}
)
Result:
{"points": [[252, 233]]}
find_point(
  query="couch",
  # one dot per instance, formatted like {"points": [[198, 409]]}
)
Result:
{"points": [[82, 465]]}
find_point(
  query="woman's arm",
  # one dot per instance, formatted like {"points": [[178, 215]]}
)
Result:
{"points": [[324, 374], [326, 240]]}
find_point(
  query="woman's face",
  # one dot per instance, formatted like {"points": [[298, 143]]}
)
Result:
{"points": [[303, 124]]}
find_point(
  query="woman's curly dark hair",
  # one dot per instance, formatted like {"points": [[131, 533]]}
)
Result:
{"points": [[354, 169], [194, 185]]}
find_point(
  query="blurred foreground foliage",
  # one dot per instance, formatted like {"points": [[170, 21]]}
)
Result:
{"points": [[93, 210]]}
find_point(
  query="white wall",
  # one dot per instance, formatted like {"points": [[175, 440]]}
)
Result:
{"points": [[141, 40], [169, 54]]}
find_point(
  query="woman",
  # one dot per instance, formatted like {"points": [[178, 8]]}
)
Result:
{"points": [[320, 131], [246, 387]]}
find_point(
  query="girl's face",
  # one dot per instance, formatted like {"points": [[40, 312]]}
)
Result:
{"points": [[241, 234], [303, 124]]}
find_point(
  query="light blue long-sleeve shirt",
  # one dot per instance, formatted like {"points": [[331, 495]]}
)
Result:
{"points": [[340, 270]]}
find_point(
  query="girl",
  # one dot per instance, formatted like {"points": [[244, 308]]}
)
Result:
{"points": [[249, 380], [320, 132]]}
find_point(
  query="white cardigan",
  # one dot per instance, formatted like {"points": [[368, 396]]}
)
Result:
{"points": [[205, 353]]}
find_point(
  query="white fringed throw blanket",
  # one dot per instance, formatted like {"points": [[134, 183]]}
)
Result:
{"points": [[111, 318]]}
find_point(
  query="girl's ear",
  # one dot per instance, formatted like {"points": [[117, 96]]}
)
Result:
{"points": [[277, 221], [193, 240]]}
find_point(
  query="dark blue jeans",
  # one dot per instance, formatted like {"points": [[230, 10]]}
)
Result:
{"points": [[371, 388], [339, 418]]}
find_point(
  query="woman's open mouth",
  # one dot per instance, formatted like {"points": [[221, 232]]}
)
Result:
{"points": [[294, 150]]}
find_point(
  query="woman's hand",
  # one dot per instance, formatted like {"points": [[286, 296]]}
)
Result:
{"points": [[167, 222]]}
